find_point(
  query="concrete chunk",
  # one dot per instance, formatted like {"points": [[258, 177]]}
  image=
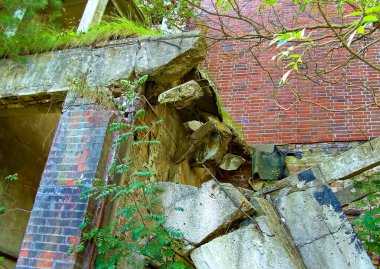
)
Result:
{"points": [[321, 231], [231, 162], [182, 96], [203, 211], [193, 125], [352, 162]]}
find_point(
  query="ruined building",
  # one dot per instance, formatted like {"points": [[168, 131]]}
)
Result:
{"points": [[231, 217]]}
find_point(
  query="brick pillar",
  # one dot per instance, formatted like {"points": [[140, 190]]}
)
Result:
{"points": [[76, 152]]}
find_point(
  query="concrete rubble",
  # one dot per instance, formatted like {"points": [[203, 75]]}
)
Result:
{"points": [[299, 223], [231, 162], [182, 96]]}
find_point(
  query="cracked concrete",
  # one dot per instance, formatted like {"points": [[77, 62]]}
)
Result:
{"points": [[320, 229], [165, 59]]}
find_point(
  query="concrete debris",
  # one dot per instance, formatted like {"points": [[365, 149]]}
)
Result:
{"points": [[320, 229], [352, 162], [257, 185], [231, 162], [245, 248], [268, 165], [182, 96], [203, 212], [209, 142], [118, 59], [193, 125]]}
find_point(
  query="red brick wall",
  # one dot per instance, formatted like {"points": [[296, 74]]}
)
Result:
{"points": [[247, 93]]}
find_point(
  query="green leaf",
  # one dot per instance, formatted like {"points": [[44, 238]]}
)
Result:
{"points": [[140, 114], [2, 209], [80, 247], [127, 226], [142, 174], [142, 80], [83, 225], [270, 2], [70, 250], [178, 265], [370, 18], [11, 178], [294, 56], [137, 184], [356, 13], [137, 232], [153, 142], [361, 30], [375, 9], [141, 128]]}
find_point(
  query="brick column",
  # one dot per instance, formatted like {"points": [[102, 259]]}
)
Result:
{"points": [[79, 150]]}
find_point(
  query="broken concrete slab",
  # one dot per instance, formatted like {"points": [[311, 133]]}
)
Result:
{"points": [[245, 248], [171, 57], [320, 230], [203, 212], [352, 162], [182, 96], [231, 162], [49, 72]]}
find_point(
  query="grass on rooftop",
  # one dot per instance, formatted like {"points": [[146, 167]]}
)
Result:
{"points": [[46, 39]]}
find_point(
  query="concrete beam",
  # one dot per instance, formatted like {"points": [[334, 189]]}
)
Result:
{"points": [[119, 59], [352, 162], [92, 15], [350, 194]]}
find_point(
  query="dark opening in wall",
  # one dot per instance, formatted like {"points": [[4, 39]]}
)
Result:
{"points": [[26, 135]]}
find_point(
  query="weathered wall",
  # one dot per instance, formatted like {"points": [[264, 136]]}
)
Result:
{"points": [[25, 140], [247, 90], [160, 158]]}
